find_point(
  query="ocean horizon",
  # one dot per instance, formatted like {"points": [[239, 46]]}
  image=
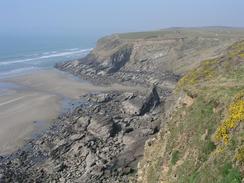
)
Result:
{"points": [[25, 54]]}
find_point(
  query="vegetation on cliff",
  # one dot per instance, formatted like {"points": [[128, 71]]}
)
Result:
{"points": [[203, 139]]}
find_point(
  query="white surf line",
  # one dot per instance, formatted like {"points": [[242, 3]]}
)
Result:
{"points": [[11, 101]]}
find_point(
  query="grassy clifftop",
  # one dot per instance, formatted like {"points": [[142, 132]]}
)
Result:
{"points": [[203, 140]]}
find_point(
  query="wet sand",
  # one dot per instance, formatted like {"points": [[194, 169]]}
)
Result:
{"points": [[33, 97]]}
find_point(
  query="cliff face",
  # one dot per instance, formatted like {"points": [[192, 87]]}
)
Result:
{"points": [[203, 138], [158, 57]]}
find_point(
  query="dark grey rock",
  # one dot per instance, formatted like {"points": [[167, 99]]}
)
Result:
{"points": [[140, 105], [119, 59], [1, 177], [101, 126], [103, 97], [133, 106], [151, 102]]}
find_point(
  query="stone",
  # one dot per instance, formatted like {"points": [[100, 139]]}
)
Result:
{"points": [[83, 122], [101, 126], [1, 177], [90, 159], [76, 148], [61, 147], [132, 107], [129, 95], [76, 137], [103, 97], [139, 106], [84, 152], [62, 180], [128, 139], [185, 100], [151, 102]]}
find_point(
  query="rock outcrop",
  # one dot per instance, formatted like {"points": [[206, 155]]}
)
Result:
{"points": [[139, 105], [101, 126], [95, 143], [152, 58]]}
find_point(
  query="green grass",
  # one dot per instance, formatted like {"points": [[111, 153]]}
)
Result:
{"points": [[230, 174], [199, 118], [144, 35], [175, 157], [154, 171], [208, 147], [194, 177]]}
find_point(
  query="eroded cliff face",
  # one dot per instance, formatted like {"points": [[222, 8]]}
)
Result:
{"points": [[149, 58], [202, 140]]}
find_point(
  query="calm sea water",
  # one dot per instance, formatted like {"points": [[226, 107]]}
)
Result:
{"points": [[23, 54]]}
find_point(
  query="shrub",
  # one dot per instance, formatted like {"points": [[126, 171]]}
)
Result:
{"points": [[236, 50], [205, 71], [236, 115], [240, 154]]}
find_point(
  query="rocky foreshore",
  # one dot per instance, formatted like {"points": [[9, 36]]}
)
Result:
{"points": [[100, 141]]}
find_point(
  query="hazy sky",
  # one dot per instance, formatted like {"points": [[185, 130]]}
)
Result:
{"points": [[98, 17]]}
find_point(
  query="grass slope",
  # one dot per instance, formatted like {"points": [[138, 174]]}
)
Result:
{"points": [[204, 139]]}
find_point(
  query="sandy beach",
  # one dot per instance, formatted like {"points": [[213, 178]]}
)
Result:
{"points": [[28, 103]]}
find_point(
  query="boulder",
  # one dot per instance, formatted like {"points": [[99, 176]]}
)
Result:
{"points": [[101, 98], [129, 139], [151, 102], [133, 106], [90, 159], [139, 105], [83, 122], [101, 126]]}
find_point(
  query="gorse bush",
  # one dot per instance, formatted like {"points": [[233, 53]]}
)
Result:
{"points": [[237, 50], [240, 154], [236, 115], [206, 71]]}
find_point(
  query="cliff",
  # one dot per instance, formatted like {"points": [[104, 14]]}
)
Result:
{"points": [[202, 140]]}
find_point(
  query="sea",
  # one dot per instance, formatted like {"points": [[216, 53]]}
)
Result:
{"points": [[22, 54]]}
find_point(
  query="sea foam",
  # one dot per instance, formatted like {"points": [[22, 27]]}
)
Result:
{"points": [[48, 55]]}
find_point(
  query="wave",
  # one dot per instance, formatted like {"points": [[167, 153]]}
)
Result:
{"points": [[47, 55], [18, 71]]}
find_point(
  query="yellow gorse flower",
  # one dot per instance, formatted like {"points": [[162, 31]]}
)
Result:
{"points": [[236, 115], [240, 154]]}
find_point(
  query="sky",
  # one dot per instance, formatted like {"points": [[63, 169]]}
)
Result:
{"points": [[101, 17]]}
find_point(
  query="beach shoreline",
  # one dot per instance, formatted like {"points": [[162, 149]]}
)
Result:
{"points": [[35, 98]]}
